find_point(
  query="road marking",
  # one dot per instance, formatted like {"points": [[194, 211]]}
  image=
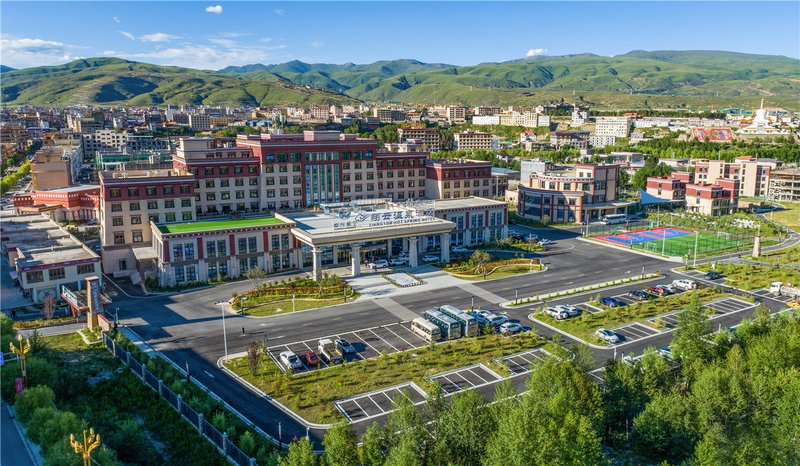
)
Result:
{"points": [[209, 374]]}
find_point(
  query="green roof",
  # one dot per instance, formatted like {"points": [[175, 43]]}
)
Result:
{"points": [[212, 225]]}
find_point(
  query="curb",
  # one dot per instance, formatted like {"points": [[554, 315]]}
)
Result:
{"points": [[590, 291], [31, 448]]}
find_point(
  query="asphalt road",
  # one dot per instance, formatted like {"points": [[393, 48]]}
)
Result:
{"points": [[187, 328]]}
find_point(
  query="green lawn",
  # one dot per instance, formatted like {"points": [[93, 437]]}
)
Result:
{"points": [[789, 217], [584, 326], [680, 246], [286, 306], [749, 277], [788, 256], [211, 225], [502, 272], [312, 394]]}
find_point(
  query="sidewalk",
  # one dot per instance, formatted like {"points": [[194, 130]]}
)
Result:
{"points": [[373, 285], [15, 450]]}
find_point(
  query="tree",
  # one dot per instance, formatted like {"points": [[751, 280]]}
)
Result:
{"points": [[253, 359], [32, 399], [480, 259], [652, 167], [460, 431], [340, 446], [374, 446], [49, 307], [256, 277], [623, 397], [300, 453], [688, 342], [664, 429]]}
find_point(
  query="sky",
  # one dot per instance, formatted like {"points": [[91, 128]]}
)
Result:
{"points": [[212, 35]]}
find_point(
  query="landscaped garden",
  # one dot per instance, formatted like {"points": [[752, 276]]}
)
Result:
{"points": [[293, 294], [584, 326], [311, 394], [789, 216], [750, 277], [483, 266], [788, 256]]}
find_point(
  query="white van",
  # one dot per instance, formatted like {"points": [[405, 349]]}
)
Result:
{"points": [[425, 329], [684, 284]]}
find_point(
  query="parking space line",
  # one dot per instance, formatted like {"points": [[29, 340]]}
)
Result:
{"points": [[385, 341], [476, 375], [398, 336]]}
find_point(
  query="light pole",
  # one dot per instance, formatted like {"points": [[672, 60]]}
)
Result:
{"points": [[21, 351], [696, 235], [307, 428], [221, 305], [280, 437], [84, 449]]}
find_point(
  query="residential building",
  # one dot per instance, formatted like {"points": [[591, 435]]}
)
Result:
{"points": [[753, 175], [672, 187], [482, 111], [573, 139], [50, 169], [602, 140], [456, 115], [531, 166], [72, 204], [400, 176], [719, 198], [473, 140], [429, 137], [784, 185], [200, 122], [613, 126], [389, 115], [580, 193], [453, 179]]}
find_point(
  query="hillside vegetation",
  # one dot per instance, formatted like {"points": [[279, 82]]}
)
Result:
{"points": [[639, 79]]}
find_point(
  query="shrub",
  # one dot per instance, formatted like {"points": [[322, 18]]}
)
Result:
{"points": [[32, 399]]}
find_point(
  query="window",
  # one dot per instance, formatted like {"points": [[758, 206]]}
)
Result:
{"points": [[168, 190], [56, 274], [136, 220], [253, 182], [185, 189], [150, 190], [284, 193], [211, 196], [186, 216], [208, 171], [170, 216], [253, 193], [238, 182], [134, 206], [237, 169], [34, 277], [85, 268], [116, 207], [117, 221], [137, 236], [169, 204], [252, 169], [191, 274], [152, 205], [224, 183], [223, 170], [179, 275], [239, 194], [119, 237], [153, 218], [209, 183], [115, 193], [186, 202]]}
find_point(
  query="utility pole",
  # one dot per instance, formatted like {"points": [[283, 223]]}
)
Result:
{"points": [[696, 235]]}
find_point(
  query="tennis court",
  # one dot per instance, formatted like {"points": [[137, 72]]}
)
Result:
{"points": [[671, 241]]}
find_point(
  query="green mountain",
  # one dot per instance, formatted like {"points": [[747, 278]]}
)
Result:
{"points": [[4, 68], [117, 81], [638, 79]]}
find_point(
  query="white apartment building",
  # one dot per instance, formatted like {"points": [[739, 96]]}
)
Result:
{"points": [[613, 126], [200, 122], [473, 140], [456, 115], [602, 140]]}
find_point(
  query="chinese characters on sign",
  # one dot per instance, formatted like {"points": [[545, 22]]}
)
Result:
{"points": [[417, 213]]}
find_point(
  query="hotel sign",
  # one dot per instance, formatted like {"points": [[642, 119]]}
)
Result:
{"points": [[407, 214]]}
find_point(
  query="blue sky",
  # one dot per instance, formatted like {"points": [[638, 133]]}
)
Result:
{"points": [[212, 35]]}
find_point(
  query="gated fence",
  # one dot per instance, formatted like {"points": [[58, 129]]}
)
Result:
{"points": [[211, 433]]}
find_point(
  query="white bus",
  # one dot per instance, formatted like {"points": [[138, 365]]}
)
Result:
{"points": [[425, 329], [449, 327], [613, 219]]}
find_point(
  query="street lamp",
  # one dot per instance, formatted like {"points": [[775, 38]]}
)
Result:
{"points": [[221, 305], [21, 351], [84, 449]]}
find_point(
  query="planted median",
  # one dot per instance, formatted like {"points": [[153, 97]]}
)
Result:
{"points": [[482, 266], [312, 394], [750, 277], [294, 294]]}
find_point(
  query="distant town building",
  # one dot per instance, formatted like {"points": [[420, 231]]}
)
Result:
{"points": [[573, 139], [456, 115], [473, 140], [200, 122], [612, 126], [784, 185], [453, 179]]}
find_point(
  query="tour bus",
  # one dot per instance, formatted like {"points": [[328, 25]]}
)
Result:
{"points": [[469, 324], [425, 329], [449, 327], [613, 219]]}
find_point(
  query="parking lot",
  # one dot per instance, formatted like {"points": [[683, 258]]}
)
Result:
{"points": [[634, 331], [728, 305], [669, 320], [764, 293], [521, 363], [586, 307], [372, 404], [368, 343], [465, 378]]}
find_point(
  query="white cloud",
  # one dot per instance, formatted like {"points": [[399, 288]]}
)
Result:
{"points": [[217, 54], [25, 52], [216, 9], [279, 11], [317, 44], [535, 52], [116, 20], [265, 39], [128, 35], [157, 37]]}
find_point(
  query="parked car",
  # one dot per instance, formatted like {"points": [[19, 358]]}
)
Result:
{"points": [[379, 264], [546, 242], [658, 291], [668, 288], [611, 302], [607, 335], [460, 249], [666, 352], [290, 360], [394, 261], [429, 258], [345, 346], [510, 328], [556, 312], [571, 310], [310, 358], [684, 284], [712, 275], [515, 234], [497, 320], [480, 318], [328, 350], [640, 295]]}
